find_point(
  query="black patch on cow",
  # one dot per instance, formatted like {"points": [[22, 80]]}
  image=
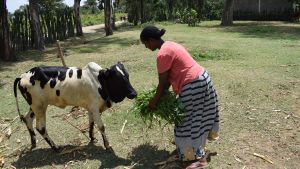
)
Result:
{"points": [[70, 73], [31, 115], [91, 131], [25, 94], [102, 93], [79, 73], [61, 76], [29, 98], [44, 74], [31, 80], [104, 96], [52, 83], [42, 131], [57, 93]]}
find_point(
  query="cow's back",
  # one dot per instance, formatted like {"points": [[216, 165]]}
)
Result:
{"points": [[67, 86]]}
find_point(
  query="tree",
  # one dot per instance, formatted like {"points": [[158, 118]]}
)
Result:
{"points": [[38, 39], [91, 4], [107, 17], [77, 18], [49, 5], [6, 52], [227, 18], [133, 10], [170, 4], [113, 22], [142, 12]]}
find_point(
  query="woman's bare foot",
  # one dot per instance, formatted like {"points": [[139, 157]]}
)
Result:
{"points": [[198, 164]]}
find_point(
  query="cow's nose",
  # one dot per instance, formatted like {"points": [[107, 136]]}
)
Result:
{"points": [[132, 95]]}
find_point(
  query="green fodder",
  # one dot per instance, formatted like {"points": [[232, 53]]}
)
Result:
{"points": [[169, 108]]}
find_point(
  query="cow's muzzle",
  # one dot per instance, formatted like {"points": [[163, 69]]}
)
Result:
{"points": [[132, 95]]}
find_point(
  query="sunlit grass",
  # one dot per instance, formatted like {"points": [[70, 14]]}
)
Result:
{"points": [[95, 19]]}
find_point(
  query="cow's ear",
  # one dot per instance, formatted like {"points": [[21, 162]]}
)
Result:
{"points": [[120, 63]]}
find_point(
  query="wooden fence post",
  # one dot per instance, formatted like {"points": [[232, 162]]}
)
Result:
{"points": [[60, 53]]}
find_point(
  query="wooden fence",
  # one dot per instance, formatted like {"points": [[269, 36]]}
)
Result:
{"points": [[55, 25]]}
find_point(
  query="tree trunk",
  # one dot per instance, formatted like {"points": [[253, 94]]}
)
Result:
{"points": [[6, 53], [77, 18], [113, 22], [107, 17], [227, 18], [39, 42], [142, 12], [170, 9]]}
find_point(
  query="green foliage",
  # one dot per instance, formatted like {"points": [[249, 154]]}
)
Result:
{"points": [[160, 11], [169, 108], [187, 16], [95, 19], [51, 5], [212, 10], [92, 19], [92, 5], [190, 11]]}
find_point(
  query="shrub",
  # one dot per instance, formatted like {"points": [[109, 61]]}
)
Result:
{"points": [[188, 16]]}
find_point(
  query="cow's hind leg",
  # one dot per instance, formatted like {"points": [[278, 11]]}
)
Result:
{"points": [[41, 127], [28, 119], [98, 120], [91, 124]]}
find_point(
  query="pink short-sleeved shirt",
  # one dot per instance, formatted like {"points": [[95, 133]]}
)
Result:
{"points": [[182, 67]]}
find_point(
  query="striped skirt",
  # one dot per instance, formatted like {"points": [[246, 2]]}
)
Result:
{"points": [[201, 118]]}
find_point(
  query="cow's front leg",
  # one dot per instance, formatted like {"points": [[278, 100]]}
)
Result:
{"points": [[91, 124], [28, 121], [41, 128], [98, 121]]}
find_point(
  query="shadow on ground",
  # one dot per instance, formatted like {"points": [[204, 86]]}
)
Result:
{"points": [[47, 157], [141, 157], [147, 155]]}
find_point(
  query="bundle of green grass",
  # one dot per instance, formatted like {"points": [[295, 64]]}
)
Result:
{"points": [[169, 108]]}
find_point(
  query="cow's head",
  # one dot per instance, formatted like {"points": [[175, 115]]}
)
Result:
{"points": [[116, 84]]}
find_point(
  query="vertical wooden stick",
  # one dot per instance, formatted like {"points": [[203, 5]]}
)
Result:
{"points": [[60, 53]]}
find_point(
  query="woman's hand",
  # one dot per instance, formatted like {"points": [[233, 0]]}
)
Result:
{"points": [[152, 103], [163, 85]]}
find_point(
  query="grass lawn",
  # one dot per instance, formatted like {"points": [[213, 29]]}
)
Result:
{"points": [[255, 68], [95, 19]]}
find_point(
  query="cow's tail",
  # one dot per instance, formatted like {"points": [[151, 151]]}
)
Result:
{"points": [[17, 81]]}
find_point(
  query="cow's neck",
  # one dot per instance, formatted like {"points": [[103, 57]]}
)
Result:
{"points": [[104, 88]]}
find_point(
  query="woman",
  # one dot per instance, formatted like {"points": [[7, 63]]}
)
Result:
{"points": [[192, 83]]}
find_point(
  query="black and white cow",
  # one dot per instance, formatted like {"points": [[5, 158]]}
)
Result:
{"points": [[91, 87]]}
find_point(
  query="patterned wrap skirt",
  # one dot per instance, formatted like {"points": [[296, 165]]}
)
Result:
{"points": [[201, 118]]}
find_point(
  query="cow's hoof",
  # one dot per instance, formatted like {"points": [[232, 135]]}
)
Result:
{"points": [[32, 147], [93, 140], [57, 149], [110, 149]]}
